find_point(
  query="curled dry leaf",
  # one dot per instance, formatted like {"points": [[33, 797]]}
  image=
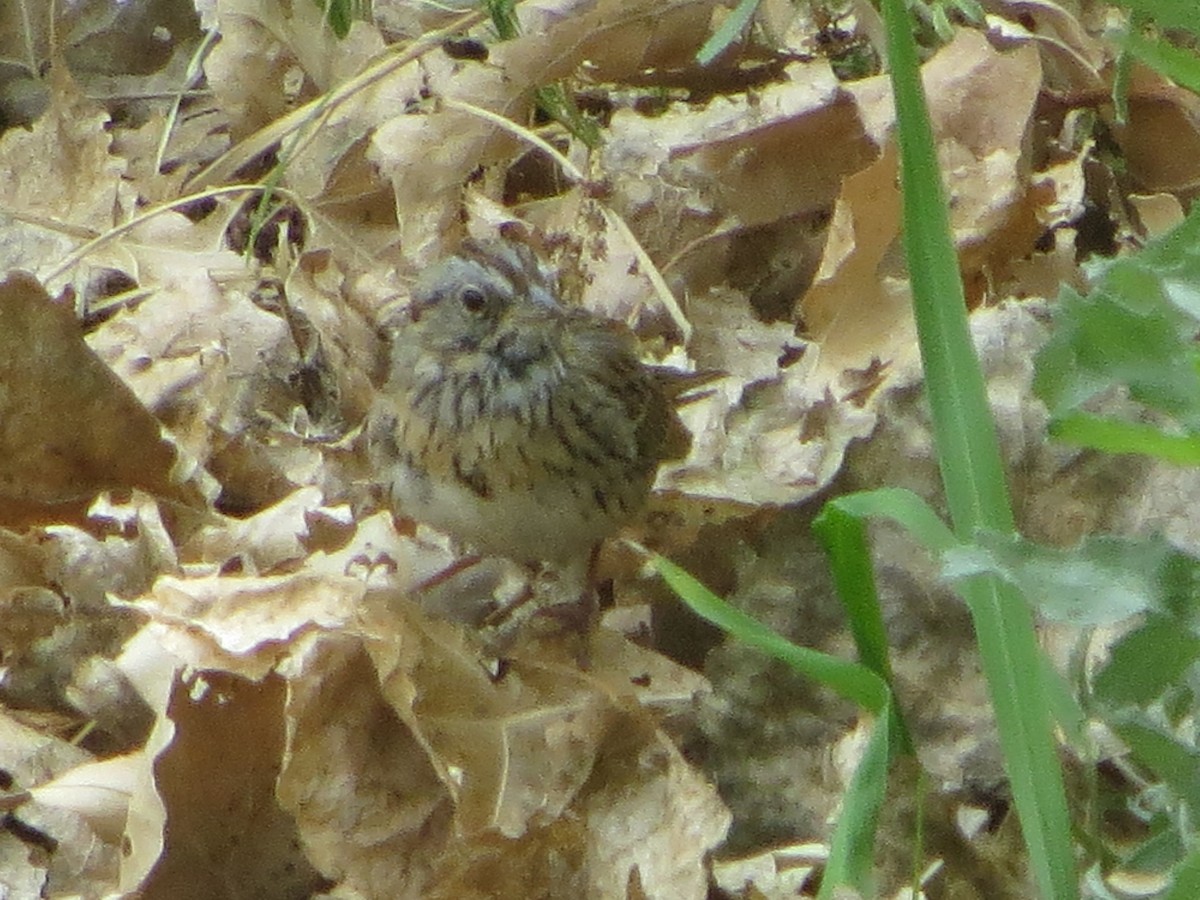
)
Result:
{"points": [[858, 307], [259, 543], [777, 872], [402, 759], [58, 627], [689, 172], [411, 770], [645, 818], [775, 431], [31, 755], [242, 624], [984, 160], [1161, 140], [1074, 59], [227, 359], [98, 791]]}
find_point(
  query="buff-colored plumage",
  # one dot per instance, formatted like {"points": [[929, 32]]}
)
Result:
{"points": [[523, 428]]}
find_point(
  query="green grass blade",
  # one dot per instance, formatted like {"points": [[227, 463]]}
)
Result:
{"points": [[844, 538], [339, 14], [905, 509], [1180, 65], [1166, 13], [963, 430], [851, 680], [729, 31], [851, 854], [1114, 436], [974, 479], [916, 516], [845, 541]]}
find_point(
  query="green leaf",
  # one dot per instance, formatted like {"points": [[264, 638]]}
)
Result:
{"points": [[1167, 13], [851, 680], [1103, 580], [1135, 328], [1099, 341], [904, 508], [851, 854], [1145, 662], [974, 478], [1185, 879], [1115, 436], [1171, 761], [1162, 850]]}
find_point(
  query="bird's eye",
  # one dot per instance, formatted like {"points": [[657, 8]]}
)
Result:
{"points": [[473, 299]]}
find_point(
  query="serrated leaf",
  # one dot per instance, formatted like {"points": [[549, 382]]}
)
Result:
{"points": [[1135, 328]]}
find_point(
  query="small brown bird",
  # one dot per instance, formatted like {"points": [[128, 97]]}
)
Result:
{"points": [[523, 428]]}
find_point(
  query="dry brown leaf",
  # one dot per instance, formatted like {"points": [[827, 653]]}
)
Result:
{"points": [[97, 791], [402, 753], [32, 757], [1158, 213], [59, 178], [31, 609], [775, 874], [119, 855], [647, 818], [686, 172], [193, 141], [981, 101], [260, 543], [859, 306], [273, 56], [371, 809], [59, 627], [428, 156], [1161, 140], [636, 830], [217, 781], [214, 355], [71, 428], [309, 719], [1073, 57], [244, 624], [779, 436]]}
